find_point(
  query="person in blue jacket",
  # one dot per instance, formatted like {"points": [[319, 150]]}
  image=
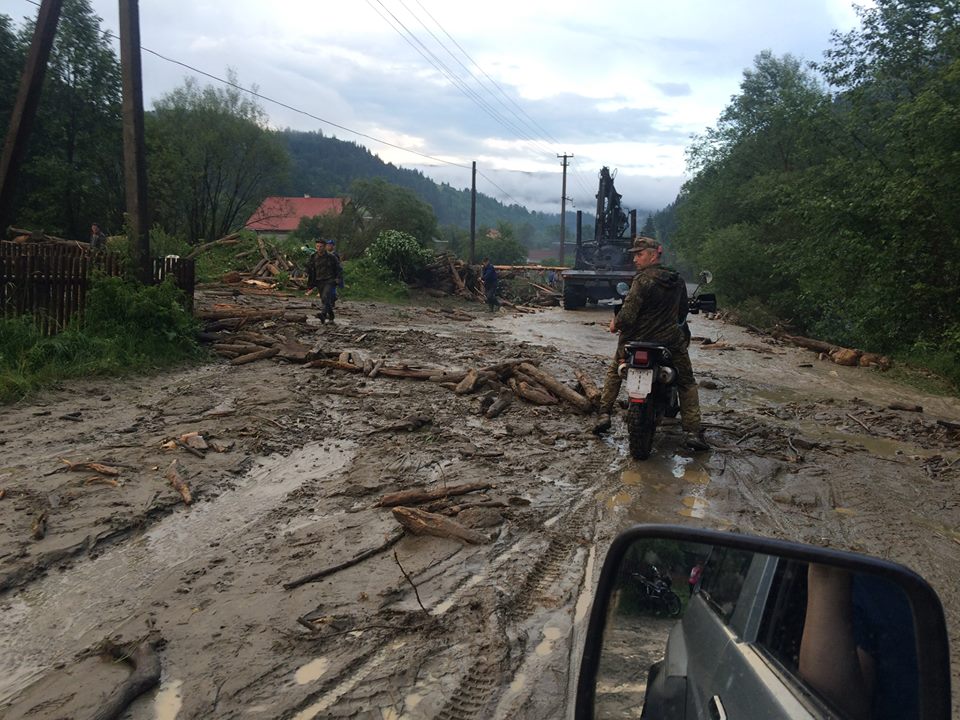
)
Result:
{"points": [[489, 277]]}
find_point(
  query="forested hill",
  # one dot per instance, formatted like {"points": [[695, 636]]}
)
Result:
{"points": [[325, 167]]}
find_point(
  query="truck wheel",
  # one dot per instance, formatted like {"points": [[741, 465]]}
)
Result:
{"points": [[641, 425], [573, 298]]}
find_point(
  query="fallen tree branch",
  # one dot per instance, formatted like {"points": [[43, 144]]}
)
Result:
{"points": [[356, 559], [409, 580], [415, 497], [173, 475], [145, 675], [420, 522]]}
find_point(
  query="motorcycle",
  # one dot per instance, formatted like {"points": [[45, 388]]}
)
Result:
{"points": [[656, 592], [651, 378]]}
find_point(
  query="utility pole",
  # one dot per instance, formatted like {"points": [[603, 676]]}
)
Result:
{"points": [[134, 147], [473, 213], [25, 107], [563, 206]]}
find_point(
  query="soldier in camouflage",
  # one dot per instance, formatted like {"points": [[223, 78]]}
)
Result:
{"points": [[652, 312], [324, 272]]}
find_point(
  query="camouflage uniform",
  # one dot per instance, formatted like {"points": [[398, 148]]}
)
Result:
{"points": [[656, 302], [324, 272]]}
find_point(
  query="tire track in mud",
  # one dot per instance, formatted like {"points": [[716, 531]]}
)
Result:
{"points": [[482, 685]]}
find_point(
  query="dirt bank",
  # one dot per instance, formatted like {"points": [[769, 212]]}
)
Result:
{"points": [[430, 627]]}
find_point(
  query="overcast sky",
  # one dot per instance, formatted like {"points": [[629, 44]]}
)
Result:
{"points": [[620, 83]]}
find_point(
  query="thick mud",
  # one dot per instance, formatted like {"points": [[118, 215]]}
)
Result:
{"points": [[429, 627]]}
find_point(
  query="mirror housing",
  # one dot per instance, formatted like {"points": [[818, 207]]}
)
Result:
{"points": [[705, 277], [929, 626]]}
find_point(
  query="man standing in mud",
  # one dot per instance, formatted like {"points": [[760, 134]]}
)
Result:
{"points": [[656, 302], [324, 272], [489, 277]]}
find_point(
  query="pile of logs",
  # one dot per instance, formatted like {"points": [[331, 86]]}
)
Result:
{"points": [[269, 266], [229, 330]]}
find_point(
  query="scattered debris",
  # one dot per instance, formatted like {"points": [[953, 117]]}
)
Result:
{"points": [[175, 478]]}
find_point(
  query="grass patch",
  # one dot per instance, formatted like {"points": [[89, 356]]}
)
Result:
{"points": [[923, 379], [128, 328]]}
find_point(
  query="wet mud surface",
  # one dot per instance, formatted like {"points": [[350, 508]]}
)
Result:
{"points": [[430, 627]]}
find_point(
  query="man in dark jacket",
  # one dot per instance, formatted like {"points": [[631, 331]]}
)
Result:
{"points": [[489, 277], [656, 302], [324, 272]]}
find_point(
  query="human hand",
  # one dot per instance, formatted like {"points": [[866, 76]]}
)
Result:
{"points": [[613, 325]]}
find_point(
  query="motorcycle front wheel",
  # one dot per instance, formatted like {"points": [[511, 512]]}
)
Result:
{"points": [[641, 424]]}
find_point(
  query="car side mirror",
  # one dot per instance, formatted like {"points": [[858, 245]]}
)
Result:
{"points": [[691, 623], [705, 277]]}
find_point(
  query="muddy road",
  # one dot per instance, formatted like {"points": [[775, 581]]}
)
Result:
{"points": [[429, 627]]}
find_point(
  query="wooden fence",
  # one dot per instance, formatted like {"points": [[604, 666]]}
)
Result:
{"points": [[50, 281]]}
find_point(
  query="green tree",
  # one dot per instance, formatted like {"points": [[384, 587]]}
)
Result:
{"points": [[211, 160], [383, 206], [72, 174]]}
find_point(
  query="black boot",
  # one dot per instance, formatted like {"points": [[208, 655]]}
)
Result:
{"points": [[606, 420], [695, 440]]}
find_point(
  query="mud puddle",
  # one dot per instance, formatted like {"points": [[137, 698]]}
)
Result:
{"points": [[75, 609]]}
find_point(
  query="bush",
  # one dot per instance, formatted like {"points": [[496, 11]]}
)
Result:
{"points": [[399, 253], [366, 280], [127, 328]]}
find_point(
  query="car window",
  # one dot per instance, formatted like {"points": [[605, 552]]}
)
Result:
{"points": [[722, 578]]}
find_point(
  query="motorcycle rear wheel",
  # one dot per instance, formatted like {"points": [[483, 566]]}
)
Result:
{"points": [[671, 603], [641, 424]]}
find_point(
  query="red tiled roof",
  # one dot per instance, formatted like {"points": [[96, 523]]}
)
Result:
{"points": [[282, 214]]}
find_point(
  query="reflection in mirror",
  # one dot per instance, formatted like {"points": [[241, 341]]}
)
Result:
{"points": [[697, 631]]}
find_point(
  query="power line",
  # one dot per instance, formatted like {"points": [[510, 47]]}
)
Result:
{"points": [[530, 132], [438, 64], [495, 83], [267, 98]]}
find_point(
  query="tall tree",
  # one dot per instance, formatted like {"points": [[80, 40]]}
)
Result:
{"points": [[211, 160], [384, 206], [73, 171]]}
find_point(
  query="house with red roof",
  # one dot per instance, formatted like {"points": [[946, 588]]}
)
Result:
{"points": [[279, 216]]}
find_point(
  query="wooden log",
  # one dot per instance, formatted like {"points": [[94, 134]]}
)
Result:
{"points": [[500, 404], [557, 388], [236, 348], [238, 312], [906, 407], [424, 523], [520, 376], [589, 388], [320, 574], [256, 338], [90, 466], [846, 356], [335, 364], [809, 343], [532, 395], [415, 497], [469, 383], [179, 484], [455, 275], [145, 675], [254, 356], [231, 239], [225, 324]]}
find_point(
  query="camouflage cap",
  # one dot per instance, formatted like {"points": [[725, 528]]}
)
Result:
{"points": [[641, 243]]}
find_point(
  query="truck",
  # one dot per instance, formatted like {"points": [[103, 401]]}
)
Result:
{"points": [[603, 262]]}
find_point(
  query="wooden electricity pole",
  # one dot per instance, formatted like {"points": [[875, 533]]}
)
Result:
{"points": [[134, 147], [25, 107], [473, 214], [563, 207]]}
